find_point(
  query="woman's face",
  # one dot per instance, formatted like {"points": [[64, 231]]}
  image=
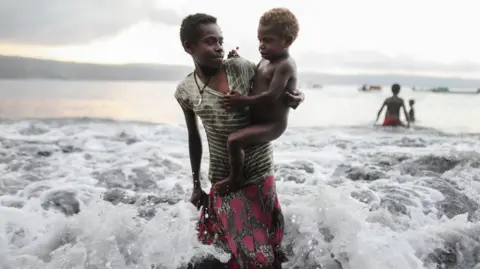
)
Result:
{"points": [[208, 50]]}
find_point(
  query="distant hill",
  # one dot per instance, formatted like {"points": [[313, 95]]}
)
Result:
{"points": [[25, 68], [12, 67]]}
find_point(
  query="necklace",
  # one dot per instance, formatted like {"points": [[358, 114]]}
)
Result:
{"points": [[203, 88]]}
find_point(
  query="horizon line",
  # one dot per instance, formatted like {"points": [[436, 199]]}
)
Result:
{"points": [[191, 66]]}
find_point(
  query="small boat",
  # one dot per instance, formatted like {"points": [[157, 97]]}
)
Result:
{"points": [[370, 88], [440, 89], [447, 90]]}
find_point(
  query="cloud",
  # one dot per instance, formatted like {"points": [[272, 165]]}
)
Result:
{"points": [[65, 22], [363, 61], [377, 61]]}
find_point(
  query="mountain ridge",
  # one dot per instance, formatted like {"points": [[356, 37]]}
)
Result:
{"points": [[17, 67]]}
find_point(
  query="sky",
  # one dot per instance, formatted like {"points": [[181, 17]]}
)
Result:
{"points": [[423, 37]]}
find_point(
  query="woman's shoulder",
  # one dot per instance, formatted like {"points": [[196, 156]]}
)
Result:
{"points": [[185, 83], [183, 88], [240, 65]]}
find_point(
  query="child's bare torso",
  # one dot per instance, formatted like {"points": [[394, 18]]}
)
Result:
{"points": [[278, 110], [394, 104], [411, 115]]}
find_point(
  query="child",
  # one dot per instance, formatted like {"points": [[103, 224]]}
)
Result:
{"points": [[276, 76], [411, 113], [393, 104]]}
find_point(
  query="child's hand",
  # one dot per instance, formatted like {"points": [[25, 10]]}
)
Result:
{"points": [[234, 99], [232, 53]]}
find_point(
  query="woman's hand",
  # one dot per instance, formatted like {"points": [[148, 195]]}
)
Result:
{"points": [[198, 198], [295, 99]]}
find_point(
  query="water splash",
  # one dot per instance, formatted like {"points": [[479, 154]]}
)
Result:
{"points": [[104, 194]]}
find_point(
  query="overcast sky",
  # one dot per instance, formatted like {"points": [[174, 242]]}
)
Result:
{"points": [[436, 37]]}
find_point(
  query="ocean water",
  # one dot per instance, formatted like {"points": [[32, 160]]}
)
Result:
{"points": [[96, 175]]}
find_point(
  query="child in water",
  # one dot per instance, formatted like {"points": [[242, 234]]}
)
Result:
{"points": [[411, 112], [276, 76]]}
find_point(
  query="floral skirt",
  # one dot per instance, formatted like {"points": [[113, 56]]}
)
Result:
{"points": [[248, 224]]}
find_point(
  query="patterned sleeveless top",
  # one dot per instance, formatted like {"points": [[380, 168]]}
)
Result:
{"points": [[219, 123]]}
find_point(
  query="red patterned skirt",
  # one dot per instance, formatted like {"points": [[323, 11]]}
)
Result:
{"points": [[248, 224]]}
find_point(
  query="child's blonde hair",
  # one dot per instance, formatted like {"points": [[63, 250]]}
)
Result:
{"points": [[284, 18]]}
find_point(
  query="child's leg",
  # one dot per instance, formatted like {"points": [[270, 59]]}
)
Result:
{"points": [[251, 135], [237, 141]]}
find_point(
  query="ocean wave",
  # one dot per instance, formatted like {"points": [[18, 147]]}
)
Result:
{"points": [[99, 193]]}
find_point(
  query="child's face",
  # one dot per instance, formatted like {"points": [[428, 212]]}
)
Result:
{"points": [[272, 44], [208, 50]]}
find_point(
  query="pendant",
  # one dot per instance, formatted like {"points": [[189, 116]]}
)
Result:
{"points": [[199, 101]]}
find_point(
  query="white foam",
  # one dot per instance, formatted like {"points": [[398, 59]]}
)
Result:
{"points": [[321, 215]]}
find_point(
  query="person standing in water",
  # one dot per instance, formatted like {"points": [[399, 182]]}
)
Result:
{"points": [[393, 104], [276, 75], [411, 112], [247, 223]]}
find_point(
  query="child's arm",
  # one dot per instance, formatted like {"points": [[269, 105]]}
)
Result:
{"points": [[282, 74]]}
